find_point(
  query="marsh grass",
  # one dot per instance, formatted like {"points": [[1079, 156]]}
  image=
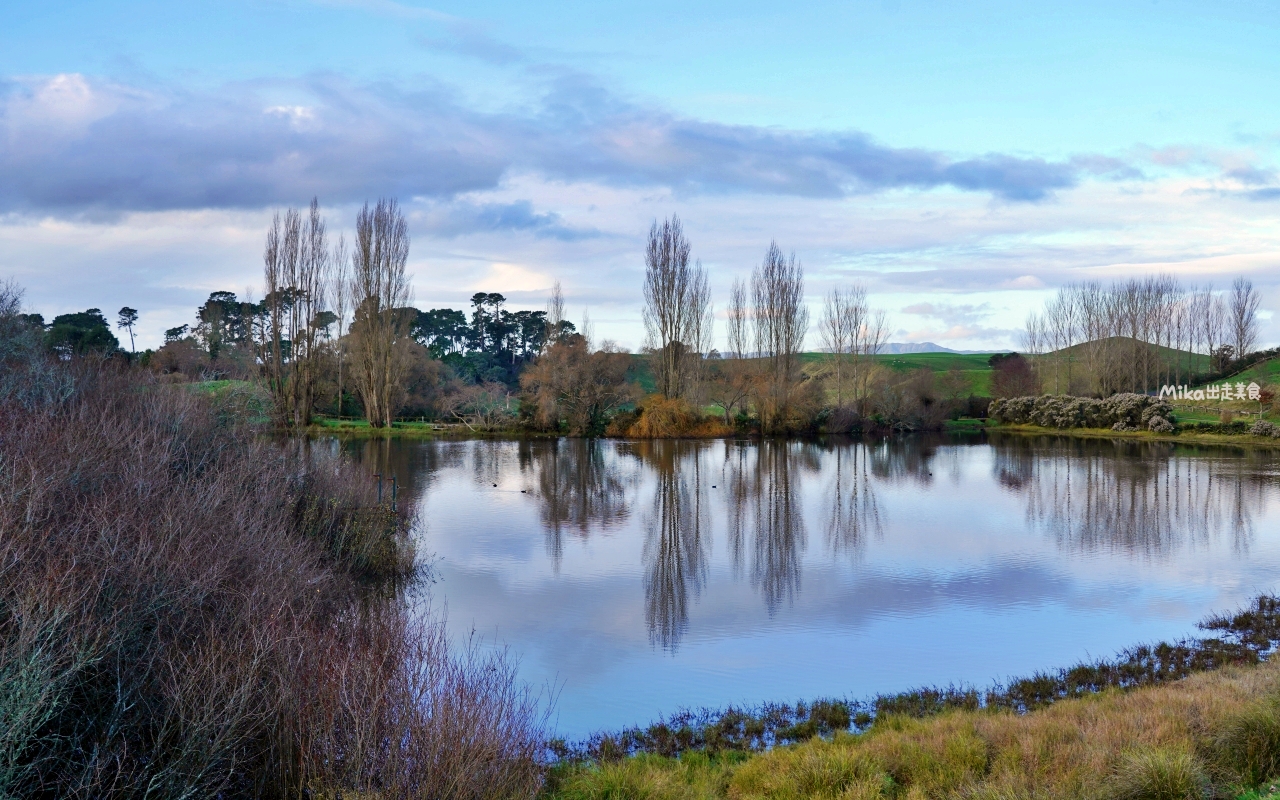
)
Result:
{"points": [[1176, 740], [1244, 637]]}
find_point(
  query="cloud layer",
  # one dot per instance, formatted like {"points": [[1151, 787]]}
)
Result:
{"points": [[76, 144]]}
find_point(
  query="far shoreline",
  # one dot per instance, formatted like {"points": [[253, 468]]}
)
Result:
{"points": [[428, 431]]}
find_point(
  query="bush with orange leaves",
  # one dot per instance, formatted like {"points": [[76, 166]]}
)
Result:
{"points": [[670, 418]]}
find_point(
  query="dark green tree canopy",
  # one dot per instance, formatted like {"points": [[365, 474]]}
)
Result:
{"points": [[81, 332]]}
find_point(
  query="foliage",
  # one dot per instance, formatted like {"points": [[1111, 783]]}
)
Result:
{"points": [[495, 345], [486, 406], [1013, 376], [29, 379], [1265, 428], [572, 386], [80, 333], [668, 418]]}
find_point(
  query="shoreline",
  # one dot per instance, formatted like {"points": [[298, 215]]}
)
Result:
{"points": [[1188, 437], [452, 432], [1188, 710]]}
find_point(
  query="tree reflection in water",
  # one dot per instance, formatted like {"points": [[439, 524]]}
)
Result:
{"points": [[855, 513], [763, 478], [580, 488], [677, 537], [1144, 498]]}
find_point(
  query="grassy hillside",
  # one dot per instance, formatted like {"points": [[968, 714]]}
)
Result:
{"points": [[972, 367], [1266, 373], [1197, 361]]}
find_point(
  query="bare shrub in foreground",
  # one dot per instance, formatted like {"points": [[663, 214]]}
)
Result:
{"points": [[182, 615]]}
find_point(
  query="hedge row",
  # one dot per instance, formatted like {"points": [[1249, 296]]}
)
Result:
{"points": [[1120, 412]]}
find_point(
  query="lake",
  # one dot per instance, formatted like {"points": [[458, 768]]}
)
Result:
{"points": [[639, 578]]}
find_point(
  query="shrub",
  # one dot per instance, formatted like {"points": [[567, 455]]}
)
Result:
{"points": [[1120, 412], [666, 418], [182, 615], [842, 419], [1264, 428]]}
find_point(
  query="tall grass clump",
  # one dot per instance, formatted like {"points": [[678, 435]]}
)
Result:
{"points": [[1248, 742], [1159, 774], [186, 611]]}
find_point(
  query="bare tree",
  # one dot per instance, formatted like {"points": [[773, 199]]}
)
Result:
{"points": [[731, 377], [555, 316], [677, 308], [273, 337], [1244, 316], [379, 290], [296, 263], [854, 333], [781, 321], [738, 313], [870, 337], [1138, 334], [341, 289], [310, 287], [837, 338]]}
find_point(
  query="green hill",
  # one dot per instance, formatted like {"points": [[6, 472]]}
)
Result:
{"points": [[1197, 362]]}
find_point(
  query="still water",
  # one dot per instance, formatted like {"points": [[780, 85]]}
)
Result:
{"points": [[638, 578]]}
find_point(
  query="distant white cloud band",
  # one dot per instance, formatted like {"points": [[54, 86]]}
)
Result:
{"points": [[75, 144]]}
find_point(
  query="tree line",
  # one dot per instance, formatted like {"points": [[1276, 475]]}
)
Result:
{"points": [[1138, 334], [767, 321], [336, 333]]}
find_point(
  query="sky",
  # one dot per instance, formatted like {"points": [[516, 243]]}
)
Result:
{"points": [[960, 160]]}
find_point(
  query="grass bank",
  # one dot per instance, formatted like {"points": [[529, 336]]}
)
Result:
{"points": [[1182, 437], [1210, 735], [1199, 718], [413, 429]]}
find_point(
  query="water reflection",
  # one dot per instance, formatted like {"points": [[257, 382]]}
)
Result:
{"points": [[854, 514], [1148, 498], [697, 573], [677, 538], [762, 499], [779, 534], [906, 461], [579, 488]]}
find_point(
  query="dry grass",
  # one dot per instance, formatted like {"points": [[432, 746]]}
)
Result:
{"points": [[1213, 734], [188, 609]]}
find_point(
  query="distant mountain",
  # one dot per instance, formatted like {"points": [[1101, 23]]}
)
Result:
{"points": [[898, 348]]}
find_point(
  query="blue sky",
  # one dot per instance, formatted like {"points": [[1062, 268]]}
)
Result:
{"points": [[962, 160]]}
